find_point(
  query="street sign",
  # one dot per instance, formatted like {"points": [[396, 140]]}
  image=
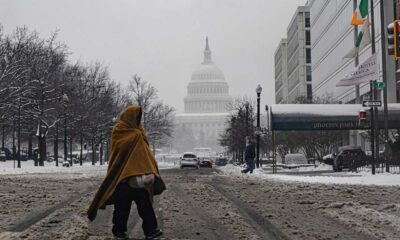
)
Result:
{"points": [[366, 97], [372, 103], [378, 85]]}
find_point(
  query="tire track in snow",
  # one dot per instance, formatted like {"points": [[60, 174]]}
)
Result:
{"points": [[265, 228], [36, 217], [216, 228]]}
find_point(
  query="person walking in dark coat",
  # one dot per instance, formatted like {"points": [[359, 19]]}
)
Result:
{"points": [[249, 155]]}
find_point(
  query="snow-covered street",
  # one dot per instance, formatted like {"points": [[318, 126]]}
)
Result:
{"points": [[218, 203]]}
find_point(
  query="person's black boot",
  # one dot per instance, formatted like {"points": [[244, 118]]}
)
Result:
{"points": [[120, 235], [155, 235]]}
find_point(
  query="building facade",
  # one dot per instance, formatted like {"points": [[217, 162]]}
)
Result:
{"points": [[281, 81], [332, 38], [298, 60], [206, 107]]}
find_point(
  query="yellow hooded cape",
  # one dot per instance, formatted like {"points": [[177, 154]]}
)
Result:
{"points": [[130, 155]]}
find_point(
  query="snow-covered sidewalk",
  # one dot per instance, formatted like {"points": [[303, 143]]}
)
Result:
{"points": [[86, 170], [363, 177]]}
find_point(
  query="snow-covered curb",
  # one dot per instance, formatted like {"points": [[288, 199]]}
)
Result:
{"points": [[360, 178]]}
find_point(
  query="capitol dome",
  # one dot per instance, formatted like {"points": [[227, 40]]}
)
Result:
{"points": [[208, 71], [207, 105], [207, 92]]}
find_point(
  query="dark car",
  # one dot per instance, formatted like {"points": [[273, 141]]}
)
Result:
{"points": [[349, 157], [221, 161], [2, 155], [205, 162], [7, 153], [328, 159]]}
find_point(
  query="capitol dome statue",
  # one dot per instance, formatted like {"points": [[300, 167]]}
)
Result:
{"points": [[206, 107]]}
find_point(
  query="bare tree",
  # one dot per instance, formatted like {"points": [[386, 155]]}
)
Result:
{"points": [[240, 125], [34, 78], [157, 117]]}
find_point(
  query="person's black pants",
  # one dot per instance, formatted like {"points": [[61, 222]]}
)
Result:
{"points": [[124, 195]]}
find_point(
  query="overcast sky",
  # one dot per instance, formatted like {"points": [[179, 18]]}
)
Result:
{"points": [[163, 40]]}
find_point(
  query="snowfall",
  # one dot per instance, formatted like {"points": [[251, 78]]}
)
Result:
{"points": [[300, 174]]}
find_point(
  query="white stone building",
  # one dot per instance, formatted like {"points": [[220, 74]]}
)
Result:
{"points": [[206, 107]]}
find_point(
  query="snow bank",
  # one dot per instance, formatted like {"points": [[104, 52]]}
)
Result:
{"points": [[360, 178], [87, 169], [28, 167]]}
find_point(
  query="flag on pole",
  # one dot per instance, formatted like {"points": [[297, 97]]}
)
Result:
{"points": [[363, 40], [365, 72], [360, 13], [365, 37]]}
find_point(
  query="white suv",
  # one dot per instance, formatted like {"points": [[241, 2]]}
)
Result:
{"points": [[189, 159]]}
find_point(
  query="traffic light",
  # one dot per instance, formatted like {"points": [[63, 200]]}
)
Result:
{"points": [[393, 37], [362, 117]]}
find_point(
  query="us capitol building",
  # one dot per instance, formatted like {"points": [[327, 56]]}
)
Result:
{"points": [[206, 106]]}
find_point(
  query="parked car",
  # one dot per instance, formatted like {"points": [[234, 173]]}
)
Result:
{"points": [[328, 159], [221, 161], [7, 152], [66, 164], [295, 158], [350, 157], [266, 160], [205, 162], [2, 155], [189, 159]]}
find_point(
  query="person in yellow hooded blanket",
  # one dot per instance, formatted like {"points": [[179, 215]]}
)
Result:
{"points": [[132, 175]]}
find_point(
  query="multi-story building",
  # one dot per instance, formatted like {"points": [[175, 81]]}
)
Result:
{"points": [[332, 38], [397, 9], [281, 84], [297, 49]]}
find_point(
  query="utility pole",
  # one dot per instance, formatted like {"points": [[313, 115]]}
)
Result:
{"points": [[384, 76], [55, 148], [19, 132], [3, 137], [65, 101], [258, 91], [356, 59], [373, 94]]}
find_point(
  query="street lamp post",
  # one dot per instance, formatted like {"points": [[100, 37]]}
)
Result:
{"points": [[65, 100], [3, 138], [258, 91]]}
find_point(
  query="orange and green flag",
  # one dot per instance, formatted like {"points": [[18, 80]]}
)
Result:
{"points": [[360, 14]]}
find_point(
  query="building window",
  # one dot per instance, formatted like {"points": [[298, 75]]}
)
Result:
{"points": [[308, 55], [307, 19], [309, 91], [309, 73], [308, 38]]}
